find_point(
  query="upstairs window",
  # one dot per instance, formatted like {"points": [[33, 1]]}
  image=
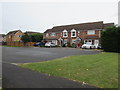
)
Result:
{"points": [[20, 36], [73, 33], [91, 32], [53, 34], [65, 33]]}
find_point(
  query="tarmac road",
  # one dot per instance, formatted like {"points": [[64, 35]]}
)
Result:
{"points": [[17, 77]]}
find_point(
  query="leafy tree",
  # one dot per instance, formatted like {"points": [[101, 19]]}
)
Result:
{"points": [[26, 38], [110, 39], [36, 37]]}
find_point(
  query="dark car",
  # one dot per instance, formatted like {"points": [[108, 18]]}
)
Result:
{"points": [[39, 44]]}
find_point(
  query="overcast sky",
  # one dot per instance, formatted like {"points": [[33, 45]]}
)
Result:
{"points": [[39, 16]]}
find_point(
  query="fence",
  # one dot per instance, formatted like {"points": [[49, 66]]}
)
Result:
{"points": [[20, 43]]}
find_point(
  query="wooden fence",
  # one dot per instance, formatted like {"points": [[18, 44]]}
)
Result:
{"points": [[20, 43]]}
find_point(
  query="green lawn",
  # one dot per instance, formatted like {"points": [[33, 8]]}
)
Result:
{"points": [[100, 70]]}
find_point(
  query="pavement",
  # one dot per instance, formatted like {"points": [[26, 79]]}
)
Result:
{"points": [[17, 77]]}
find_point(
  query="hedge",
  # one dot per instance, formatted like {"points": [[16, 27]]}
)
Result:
{"points": [[110, 39]]}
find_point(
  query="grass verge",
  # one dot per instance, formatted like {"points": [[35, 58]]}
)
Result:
{"points": [[100, 70]]}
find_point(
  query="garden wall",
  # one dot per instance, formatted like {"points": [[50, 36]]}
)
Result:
{"points": [[20, 44]]}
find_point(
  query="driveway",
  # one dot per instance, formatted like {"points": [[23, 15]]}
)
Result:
{"points": [[16, 77]]}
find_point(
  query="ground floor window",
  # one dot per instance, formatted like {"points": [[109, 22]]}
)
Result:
{"points": [[73, 41]]}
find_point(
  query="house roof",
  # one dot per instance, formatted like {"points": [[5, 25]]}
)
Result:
{"points": [[82, 26], [13, 32], [108, 25]]}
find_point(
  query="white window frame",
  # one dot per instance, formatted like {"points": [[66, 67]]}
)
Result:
{"points": [[19, 36], [91, 32], [73, 30], [65, 31]]}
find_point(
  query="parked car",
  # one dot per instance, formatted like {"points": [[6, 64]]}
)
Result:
{"points": [[50, 44], [89, 46], [38, 44]]}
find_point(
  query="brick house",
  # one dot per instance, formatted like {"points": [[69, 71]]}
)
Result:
{"points": [[76, 33], [14, 36]]}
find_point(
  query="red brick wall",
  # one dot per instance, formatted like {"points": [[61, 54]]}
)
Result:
{"points": [[82, 35]]}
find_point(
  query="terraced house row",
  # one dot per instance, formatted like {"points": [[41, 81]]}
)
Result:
{"points": [[76, 33]]}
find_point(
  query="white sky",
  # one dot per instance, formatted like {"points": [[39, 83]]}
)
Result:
{"points": [[42, 15], [119, 13]]}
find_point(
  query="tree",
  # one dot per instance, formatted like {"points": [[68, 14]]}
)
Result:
{"points": [[110, 39], [26, 38], [36, 37]]}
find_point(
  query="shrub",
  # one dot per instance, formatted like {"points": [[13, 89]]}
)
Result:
{"points": [[110, 39], [73, 45], [82, 42]]}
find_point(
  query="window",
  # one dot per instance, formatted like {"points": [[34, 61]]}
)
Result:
{"points": [[53, 34], [73, 33], [19, 35], [65, 33], [91, 32], [73, 41]]}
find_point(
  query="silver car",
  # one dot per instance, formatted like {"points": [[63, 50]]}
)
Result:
{"points": [[49, 44], [88, 46]]}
